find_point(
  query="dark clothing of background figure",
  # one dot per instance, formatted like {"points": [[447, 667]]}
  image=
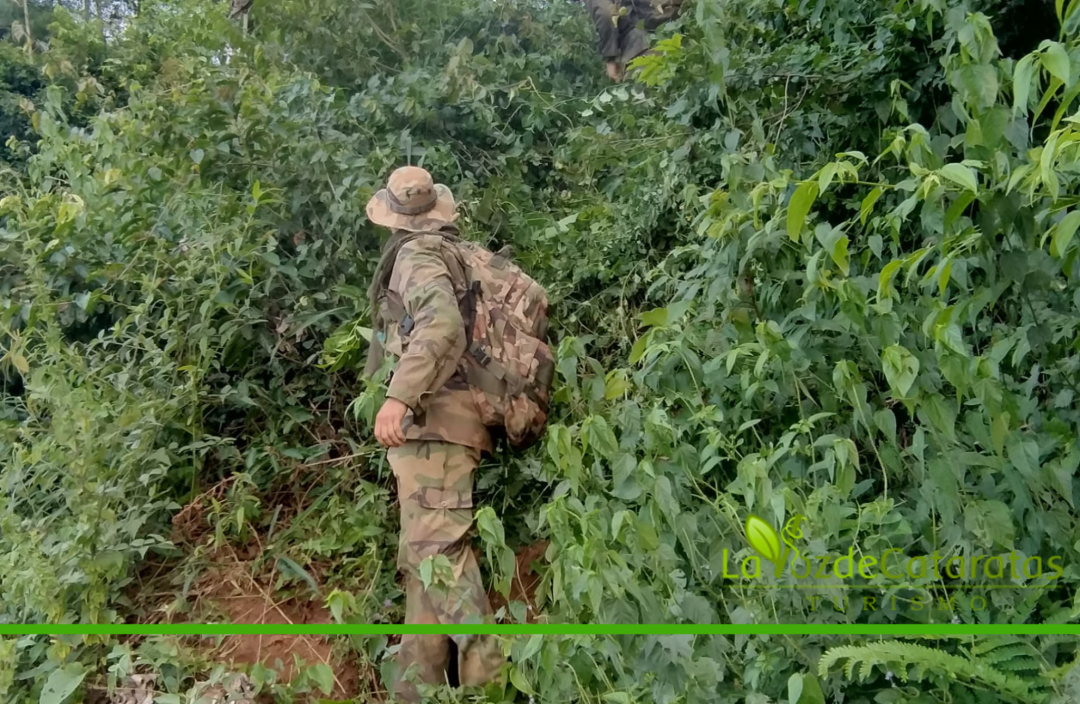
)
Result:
{"points": [[624, 38]]}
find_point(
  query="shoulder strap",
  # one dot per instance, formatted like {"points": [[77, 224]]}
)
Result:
{"points": [[456, 266]]}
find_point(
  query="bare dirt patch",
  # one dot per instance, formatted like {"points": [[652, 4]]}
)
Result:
{"points": [[236, 597], [526, 580]]}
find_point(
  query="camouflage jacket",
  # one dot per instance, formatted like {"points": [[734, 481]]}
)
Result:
{"points": [[427, 343]]}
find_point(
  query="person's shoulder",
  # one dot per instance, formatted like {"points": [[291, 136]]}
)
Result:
{"points": [[419, 261], [425, 244]]}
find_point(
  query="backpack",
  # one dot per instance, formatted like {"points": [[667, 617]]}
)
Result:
{"points": [[507, 364]]}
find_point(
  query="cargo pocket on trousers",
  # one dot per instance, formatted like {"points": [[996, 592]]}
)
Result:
{"points": [[444, 519]]}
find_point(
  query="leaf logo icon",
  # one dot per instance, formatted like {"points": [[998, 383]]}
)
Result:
{"points": [[763, 538]]}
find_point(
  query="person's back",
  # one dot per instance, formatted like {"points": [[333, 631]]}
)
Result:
{"points": [[430, 425], [622, 26]]}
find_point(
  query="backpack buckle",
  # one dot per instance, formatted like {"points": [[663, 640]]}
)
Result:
{"points": [[480, 355]]}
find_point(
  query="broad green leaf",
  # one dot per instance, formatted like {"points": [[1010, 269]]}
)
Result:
{"points": [[942, 415], [619, 698], [944, 273], [1046, 166], [657, 317], [825, 176], [597, 434], [900, 367], [678, 309], [960, 175], [885, 420], [1023, 77], [532, 647], [876, 245], [1062, 473], [197, 155], [868, 203], [763, 538], [799, 207], [731, 358], [1051, 91], [1064, 104], [519, 611], [616, 385], [638, 350], [1023, 453], [517, 678], [490, 527], [839, 253], [20, 363], [62, 683], [958, 207], [323, 677], [979, 83], [665, 499], [794, 688], [812, 267], [991, 522], [1055, 59], [811, 691], [427, 566], [1064, 232], [886, 276]]}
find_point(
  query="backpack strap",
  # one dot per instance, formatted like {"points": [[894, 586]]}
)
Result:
{"points": [[491, 377], [395, 308]]}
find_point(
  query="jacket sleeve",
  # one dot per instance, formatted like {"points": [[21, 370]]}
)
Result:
{"points": [[437, 338]]}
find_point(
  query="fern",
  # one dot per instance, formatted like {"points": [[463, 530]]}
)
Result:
{"points": [[995, 668], [987, 645]]}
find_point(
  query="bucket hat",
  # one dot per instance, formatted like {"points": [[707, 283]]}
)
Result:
{"points": [[412, 201]]}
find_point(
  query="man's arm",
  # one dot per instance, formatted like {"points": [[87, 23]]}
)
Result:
{"points": [[437, 338]]}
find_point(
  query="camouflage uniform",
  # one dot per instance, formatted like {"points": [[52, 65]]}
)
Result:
{"points": [[434, 468], [620, 37]]}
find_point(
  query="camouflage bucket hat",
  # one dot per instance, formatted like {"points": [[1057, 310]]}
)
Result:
{"points": [[412, 201]]}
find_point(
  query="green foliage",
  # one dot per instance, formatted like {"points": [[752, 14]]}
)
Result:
{"points": [[1007, 666], [818, 259]]}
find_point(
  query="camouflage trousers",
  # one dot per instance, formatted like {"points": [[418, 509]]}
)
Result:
{"points": [[434, 481]]}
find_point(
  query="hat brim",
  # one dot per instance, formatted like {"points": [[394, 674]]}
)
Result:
{"points": [[444, 211]]}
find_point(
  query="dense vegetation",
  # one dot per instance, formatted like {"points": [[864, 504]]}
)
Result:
{"points": [[818, 258]]}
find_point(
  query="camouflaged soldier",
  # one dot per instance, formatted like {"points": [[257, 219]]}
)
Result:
{"points": [[622, 26], [431, 427]]}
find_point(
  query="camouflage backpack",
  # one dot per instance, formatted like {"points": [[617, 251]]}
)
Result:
{"points": [[507, 364]]}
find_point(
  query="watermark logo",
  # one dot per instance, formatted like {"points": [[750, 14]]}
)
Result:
{"points": [[783, 552], [774, 548]]}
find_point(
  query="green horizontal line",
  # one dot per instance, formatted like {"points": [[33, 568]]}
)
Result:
{"points": [[211, 629], [884, 587]]}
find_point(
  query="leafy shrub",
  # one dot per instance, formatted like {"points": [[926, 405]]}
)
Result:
{"points": [[817, 260]]}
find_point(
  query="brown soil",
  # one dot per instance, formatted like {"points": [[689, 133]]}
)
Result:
{"points": [[228, 593], [231, 595], [526, 580]]}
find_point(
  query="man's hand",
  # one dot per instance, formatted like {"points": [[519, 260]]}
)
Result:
{"points": [[614, 71], [388, 423]]}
